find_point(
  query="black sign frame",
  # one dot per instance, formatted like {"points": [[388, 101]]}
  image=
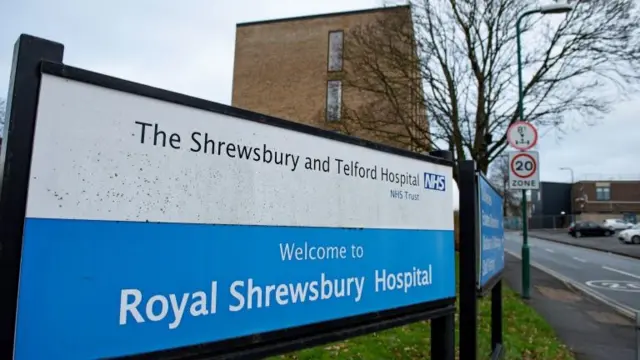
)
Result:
{"points": [[34, 56], [469, 254]]}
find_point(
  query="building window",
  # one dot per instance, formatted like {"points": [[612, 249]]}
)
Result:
{"points": [[603, 193], [336, 44], [334, 100]]}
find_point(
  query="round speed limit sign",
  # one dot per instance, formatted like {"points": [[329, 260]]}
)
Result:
{"points": [[524, 170], [523, 165]]}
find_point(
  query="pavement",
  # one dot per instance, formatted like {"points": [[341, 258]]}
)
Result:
{"points": [[608, 276], [609, 244], [592, 330]]}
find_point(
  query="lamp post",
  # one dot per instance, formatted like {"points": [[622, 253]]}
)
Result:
{"points": [[526, 255], [570, 171], [572, 182]]}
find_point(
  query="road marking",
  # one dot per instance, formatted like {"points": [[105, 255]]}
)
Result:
{"points": [[549, 250], [622, 309], [615, 285], [621, 272], [578, 259]]}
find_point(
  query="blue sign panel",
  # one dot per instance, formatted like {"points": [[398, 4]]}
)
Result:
{"points": [[92, 289], [491, 258]]}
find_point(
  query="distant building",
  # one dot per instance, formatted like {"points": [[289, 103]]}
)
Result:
{"points": [[599, 200], [295, 69], [553, 205]]}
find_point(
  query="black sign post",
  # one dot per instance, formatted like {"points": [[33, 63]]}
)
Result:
{"points": [[475, 279], [443, 328], [20, 118]]}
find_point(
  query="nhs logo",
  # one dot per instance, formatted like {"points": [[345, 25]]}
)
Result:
{"points": [[434, 182]]}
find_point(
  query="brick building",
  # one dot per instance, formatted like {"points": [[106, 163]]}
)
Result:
{"points": [[555, 205], [599, 200], [295, 69]]}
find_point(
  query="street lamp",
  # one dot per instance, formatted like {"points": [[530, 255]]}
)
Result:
{"points": [[556, 9], [526, 257], [571, 171]]}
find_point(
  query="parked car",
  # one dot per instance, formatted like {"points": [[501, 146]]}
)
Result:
{"points": [[588, 228], [616, 224], [630, 236]]}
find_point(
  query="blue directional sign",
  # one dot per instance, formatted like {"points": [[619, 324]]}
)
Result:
{"points": [[491, 239], [150, 287]]}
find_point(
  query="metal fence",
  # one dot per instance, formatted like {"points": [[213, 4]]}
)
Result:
{"points": [[513, 223], [546, 222]]}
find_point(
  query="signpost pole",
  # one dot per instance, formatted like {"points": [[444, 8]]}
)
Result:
{"points": [[22, 100], [468, 261], [443, 331], [524, 174], [525, 249], [443, 337], [496, 319], [481, 258], [525, 240]]}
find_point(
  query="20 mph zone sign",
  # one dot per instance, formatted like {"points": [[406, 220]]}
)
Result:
{"points": [[524, 171]]}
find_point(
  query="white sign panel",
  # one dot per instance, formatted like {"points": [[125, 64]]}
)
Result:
{"points": [[524, 170], [141, 159], [522, 135]]}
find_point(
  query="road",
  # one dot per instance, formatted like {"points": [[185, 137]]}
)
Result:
{"points": [[609, 243], [616, 277]]}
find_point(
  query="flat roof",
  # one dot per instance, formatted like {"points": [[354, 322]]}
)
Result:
{"points": [[556, 182], [318, 16], [608, 181]]}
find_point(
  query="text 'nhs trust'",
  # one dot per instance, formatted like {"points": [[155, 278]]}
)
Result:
{"points": [[431, 182]]}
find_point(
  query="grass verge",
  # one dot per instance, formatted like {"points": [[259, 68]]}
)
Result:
{"points": [[527, 336]]}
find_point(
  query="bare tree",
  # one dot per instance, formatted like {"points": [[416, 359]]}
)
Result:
{"points": [[499, 177], [464, 70]]}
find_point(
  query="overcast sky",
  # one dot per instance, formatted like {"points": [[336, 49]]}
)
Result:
{"points": [[189, 48]]}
